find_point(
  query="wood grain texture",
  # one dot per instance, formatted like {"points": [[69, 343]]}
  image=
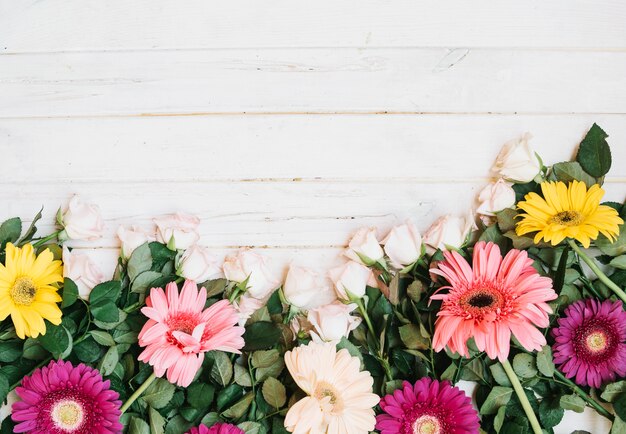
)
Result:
{"points": [[410, 80], [62, 25]]}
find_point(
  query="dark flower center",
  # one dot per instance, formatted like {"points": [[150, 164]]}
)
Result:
{"points": [[567, 218], [481, 299]]}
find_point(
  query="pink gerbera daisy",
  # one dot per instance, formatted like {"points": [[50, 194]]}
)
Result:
{"points": [[590, 342], [428, 407], [62, 399], [179, 331], [490, 300], [218, 428]]}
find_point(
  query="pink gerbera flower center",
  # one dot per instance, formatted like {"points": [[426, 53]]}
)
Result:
{"points": [[481, 299], [68, 415], [184, 322], [595, 340], [426, 425]]}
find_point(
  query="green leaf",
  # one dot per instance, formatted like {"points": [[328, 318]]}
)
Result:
{"points": [[499, 374], [264, 359], [4, 387], [412, 338], [108, 362], [506, 220], [594, 154], [10, 231], [56, 340], [140, 261], [274, 392], [619, 262], [229, 395], [238, 410], [144, 280], [215, 287], [550, 413], [138, 426], [157, 422], [106, 291], [498, 397], [222, 370], [70, 293], [159, 393], [10, 351], [498, 421], [613, 248], [619, 426], [344, 343], [619, 405], [105, 311], [252, 428], [32, 228], [242, 376], [200, 395], [571, 171], [524, 365], [545, 365], [261, 335], [102, 337], [612, 390], [573, 402]]}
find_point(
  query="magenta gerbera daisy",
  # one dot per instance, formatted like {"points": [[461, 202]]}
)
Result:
{"points": [[218, 428], [63, 399], [179, 331], [590, 342], [490, 300], [428, 407]]}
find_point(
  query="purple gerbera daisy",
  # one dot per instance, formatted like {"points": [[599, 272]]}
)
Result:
{"points": [[428, 407], [63, 399], [218, 428], [590, 342]]}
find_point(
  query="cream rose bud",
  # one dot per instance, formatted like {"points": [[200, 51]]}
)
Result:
{"points": [[403, 245], [364, 247], [449, 231], [131, 238], [82, 221], [306, 289], [83, 272], [332, 321], [495, 197], [178, 231], [350, 280], [247, 264], [517, 161], [247, 305], [199, 265]]}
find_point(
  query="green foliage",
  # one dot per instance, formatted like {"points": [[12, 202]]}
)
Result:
{"points": [[594, 154]]}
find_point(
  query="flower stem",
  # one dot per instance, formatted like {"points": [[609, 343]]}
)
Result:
{"points": [[594, 267], [138, 392], [46, 239], [381, 357], [521, 395], [359, 303], [580, 392]]}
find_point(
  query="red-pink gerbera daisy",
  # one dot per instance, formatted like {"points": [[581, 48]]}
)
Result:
{"points": [[590, 342], [218, 428], [490, 300], [179, 331], [62, 399], [428, 407]]}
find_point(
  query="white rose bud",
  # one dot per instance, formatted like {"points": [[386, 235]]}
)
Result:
{"points": [[350, 280], [83, 272], [178, 231], [247, 305], [81, 221], [247, 264], [364, 247], [7, 407], [403, 245], [199, 265], [332, 322], [306, 289], [517, 161], [131, 238], [449, 231], [495, 197]]}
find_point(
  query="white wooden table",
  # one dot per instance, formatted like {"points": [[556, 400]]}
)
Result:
{"points": [[286, 125]]}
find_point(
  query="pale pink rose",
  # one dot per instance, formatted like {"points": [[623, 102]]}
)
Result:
{"points": [[83, 272], [364, 247], [517, 161], [332, 321], [449, 231], [247, 305], [82, 221], [179, 231], [306, 289], [403, 245], [350, 280], [495, 197], [199, 265], [247, 264], [131, 238]]}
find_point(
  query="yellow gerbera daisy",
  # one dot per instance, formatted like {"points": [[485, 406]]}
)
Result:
{"points": [[26, 291], [568, 211]]}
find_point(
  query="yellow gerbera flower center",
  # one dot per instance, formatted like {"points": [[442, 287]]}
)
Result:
{"points": [[327, 394], [23, 291], [596, 342], [67, 415], [568, 218], [426, 425]]}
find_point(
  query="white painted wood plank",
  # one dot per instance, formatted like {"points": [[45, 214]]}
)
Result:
{"points": [[54, 25], [284, 214], [313, 80], [427, 148]]}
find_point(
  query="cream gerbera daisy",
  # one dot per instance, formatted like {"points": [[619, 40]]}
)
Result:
{"points": [[340, 397]]}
